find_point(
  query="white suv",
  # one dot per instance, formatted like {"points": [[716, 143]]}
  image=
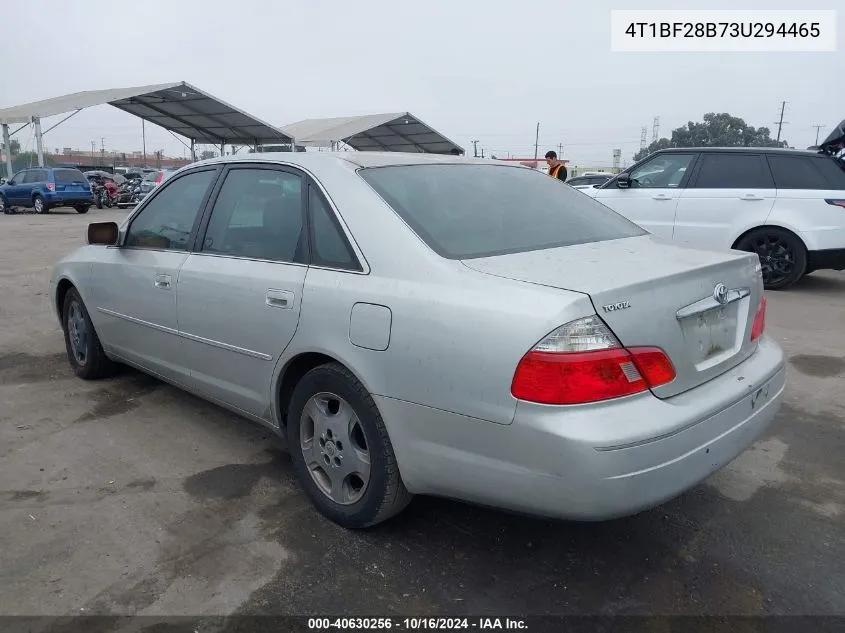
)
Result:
{"points": [[788, 206]]}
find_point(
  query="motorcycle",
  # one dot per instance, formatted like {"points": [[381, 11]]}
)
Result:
{"points": [[129, 192]]}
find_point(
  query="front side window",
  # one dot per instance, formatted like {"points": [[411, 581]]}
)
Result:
{"points": [[258, 214], [662, 171], [19, 178], [733, 171], [167, 221], [465, 211]]}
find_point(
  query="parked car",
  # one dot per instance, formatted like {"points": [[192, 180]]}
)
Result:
{"points": [[588, 180], [44, 188], [785, 205], [159, 176], [409, 333]]}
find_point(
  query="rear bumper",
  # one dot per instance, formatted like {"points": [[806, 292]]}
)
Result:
{"points": [[590, 462], [69, 198], [830, 259]]}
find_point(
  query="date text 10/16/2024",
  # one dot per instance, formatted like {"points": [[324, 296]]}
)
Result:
{"points": [[417, 624]]}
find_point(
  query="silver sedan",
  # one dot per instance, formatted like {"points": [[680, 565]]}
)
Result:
{"points": [[418, 324]]}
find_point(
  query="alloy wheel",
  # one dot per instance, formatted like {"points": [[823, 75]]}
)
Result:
{"points": [[777, 257], [335, 448], [77, 329]]}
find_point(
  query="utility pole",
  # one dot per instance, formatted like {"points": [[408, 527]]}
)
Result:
{"points": [[102, 151], [144, 141], [559, 150], [474, 148], [93, 145], [643, 135], [655, 127], [536, 142], [780, 121], [482, 152], [818, 129]]}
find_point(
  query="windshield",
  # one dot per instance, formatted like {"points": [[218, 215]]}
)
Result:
{"points": [[466, 211]]}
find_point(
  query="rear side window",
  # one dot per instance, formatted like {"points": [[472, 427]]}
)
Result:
{"points": [[466, 211], [36, 175], [69, 175], [733, 171], [806, 172], [329, 245]]}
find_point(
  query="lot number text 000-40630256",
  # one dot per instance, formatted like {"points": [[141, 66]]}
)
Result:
{"points": [[723, 31]]}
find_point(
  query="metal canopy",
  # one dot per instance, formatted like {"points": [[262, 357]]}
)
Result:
{"points": [[178, 107], [391, 132]]}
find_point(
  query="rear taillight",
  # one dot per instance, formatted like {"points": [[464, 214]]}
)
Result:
{"points": [[159, 177], [51, 186], [583, 362], [837, 203], [759, 325]]}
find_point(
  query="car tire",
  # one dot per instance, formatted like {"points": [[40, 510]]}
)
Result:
{"points": [[782, 254], [335, 432], [4, 206], [38, 204], [82, 208], [84, 351], [98, 200]]}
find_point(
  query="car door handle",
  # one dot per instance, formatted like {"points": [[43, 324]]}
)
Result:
{"points": [[662, 196], [750, 196], [162, 281], [279, 299]]}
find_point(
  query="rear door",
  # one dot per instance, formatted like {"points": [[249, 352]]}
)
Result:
{"points": [[240, 293], [70, 182], [728, 193], [652, 198]]}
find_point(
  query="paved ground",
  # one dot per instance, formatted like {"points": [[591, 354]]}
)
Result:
{"points": [[128, 496]]}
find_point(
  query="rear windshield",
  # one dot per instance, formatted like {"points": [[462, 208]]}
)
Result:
{"points": [[466, 211], [69, 175]]}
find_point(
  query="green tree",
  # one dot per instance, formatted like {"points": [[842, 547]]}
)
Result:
{"points": [[208, 154], [14, 146], [716, 130]]}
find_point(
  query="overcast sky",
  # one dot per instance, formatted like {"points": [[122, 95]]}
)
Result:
{"points": [[473, 69]]}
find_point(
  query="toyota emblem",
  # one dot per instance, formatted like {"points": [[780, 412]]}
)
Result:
{"points": [[720, 293]]}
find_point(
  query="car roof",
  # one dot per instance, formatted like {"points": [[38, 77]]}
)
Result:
{"points": [[355, 159], [742, 150]]}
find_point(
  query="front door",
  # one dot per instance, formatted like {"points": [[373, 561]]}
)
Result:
{"points": [[16, 189], [728, 192], [652, 198], [240, 293], [134, 284]]}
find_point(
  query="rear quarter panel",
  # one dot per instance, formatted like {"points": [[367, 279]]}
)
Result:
{"points": [[804, 212]]}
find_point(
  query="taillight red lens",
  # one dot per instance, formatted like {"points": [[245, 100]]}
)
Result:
{"points": [[158, 178], [51, 186], [838, 203], [759, 325], [580, 377]]}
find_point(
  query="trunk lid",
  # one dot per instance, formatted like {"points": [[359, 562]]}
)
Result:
{"points": [[651, 293]]}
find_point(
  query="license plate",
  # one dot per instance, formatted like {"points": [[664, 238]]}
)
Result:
{"points": [[711, 334]]}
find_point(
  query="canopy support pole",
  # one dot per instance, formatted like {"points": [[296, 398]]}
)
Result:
{"points": [[8, 145], [39, 142], [193, 153], [222, 149]]}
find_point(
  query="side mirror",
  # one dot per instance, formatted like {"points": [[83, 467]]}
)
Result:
{"points": [[104, 233], [623, 181]]}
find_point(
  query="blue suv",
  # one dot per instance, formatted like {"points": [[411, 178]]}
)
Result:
{"points": [[43, 188]]}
